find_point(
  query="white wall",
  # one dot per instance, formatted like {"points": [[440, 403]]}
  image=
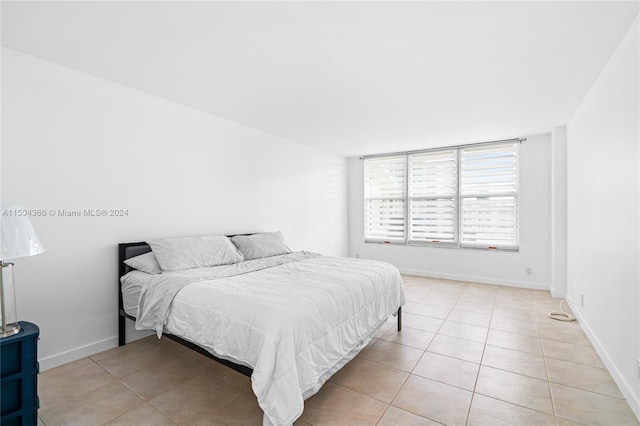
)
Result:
{"points": [[505, 268], [559, 212], [604, 215], [74, 141]]}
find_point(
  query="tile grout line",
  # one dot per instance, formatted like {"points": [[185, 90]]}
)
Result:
{"points": [[546, 369], [475, 385]]}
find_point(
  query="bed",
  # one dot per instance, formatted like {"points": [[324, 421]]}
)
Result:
{"points": [[288, 321]]}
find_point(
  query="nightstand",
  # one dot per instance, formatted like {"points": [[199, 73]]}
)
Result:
{"points": [[19, 377]]}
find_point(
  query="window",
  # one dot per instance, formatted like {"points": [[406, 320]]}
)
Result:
{"points": [[384, 190], [488, 196], [455, 197], [433, 182]]}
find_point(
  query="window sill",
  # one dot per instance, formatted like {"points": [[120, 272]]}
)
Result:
{"points": [[444, 245]]}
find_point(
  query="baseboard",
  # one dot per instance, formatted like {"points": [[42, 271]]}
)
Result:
{"points": [[627, 389], [88, 350], [482, 280]]}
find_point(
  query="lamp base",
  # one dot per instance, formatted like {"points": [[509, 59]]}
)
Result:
{"points": [[9, 320], [9, 330]]}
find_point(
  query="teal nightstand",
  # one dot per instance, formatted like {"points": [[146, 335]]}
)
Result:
{"points": [[19, 377]]}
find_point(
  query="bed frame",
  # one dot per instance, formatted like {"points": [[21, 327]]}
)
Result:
{"points": [[129, 250]]}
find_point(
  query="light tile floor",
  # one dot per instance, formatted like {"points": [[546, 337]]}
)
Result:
{"points": [[468, 354]]}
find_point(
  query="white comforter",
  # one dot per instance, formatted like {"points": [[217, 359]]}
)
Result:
{"points": [[295, 319]]}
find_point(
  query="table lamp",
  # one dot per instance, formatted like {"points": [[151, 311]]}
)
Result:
{"points": [[17, 239]]}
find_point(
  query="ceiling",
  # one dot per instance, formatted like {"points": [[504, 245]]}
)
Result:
{"points": [[350, 77]]}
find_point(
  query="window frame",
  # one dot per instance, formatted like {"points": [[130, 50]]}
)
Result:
{"points": [[458, 198], [496, 194]]}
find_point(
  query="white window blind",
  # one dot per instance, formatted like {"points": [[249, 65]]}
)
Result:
{"points": [[385, 190], [459, 196], [489, 196], [433, 187]]}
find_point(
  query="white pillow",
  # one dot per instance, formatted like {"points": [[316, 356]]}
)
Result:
{"points": [[177, 254], [145, 262], [261, 245]]}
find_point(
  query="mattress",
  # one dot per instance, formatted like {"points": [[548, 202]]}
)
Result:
{"points": [[295, 319]]}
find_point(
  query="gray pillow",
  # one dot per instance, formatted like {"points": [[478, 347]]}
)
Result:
{"points": [[260, 245], [177, 254], [145, 262]]}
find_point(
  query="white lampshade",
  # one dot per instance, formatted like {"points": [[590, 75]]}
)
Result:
{"points": [[17, 236]]}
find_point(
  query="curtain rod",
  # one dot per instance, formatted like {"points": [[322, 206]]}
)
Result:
{"points": [[519, 140]]}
